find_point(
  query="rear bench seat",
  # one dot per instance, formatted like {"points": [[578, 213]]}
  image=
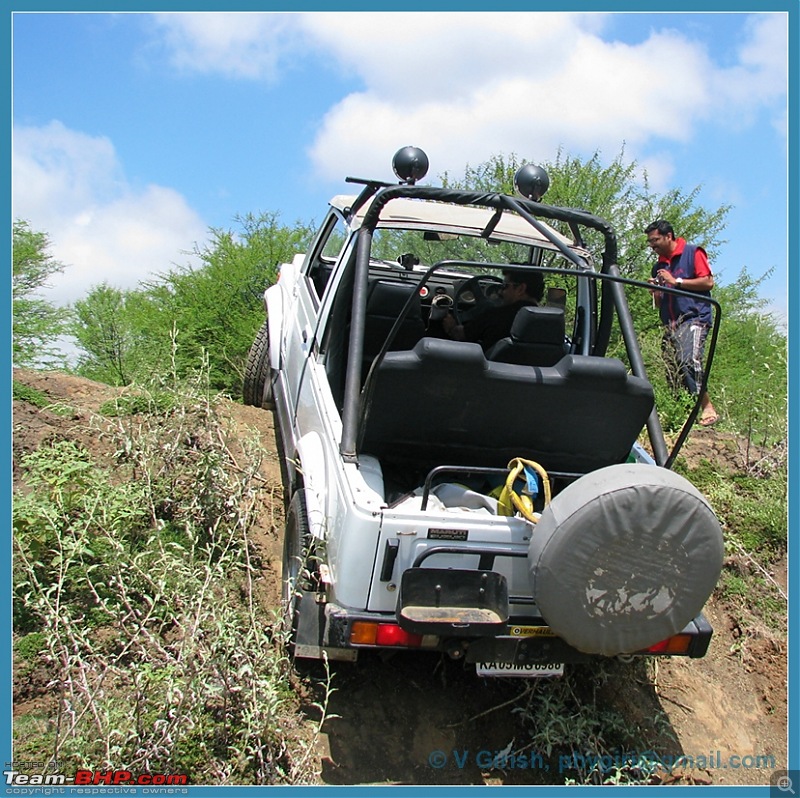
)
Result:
{"points": [[443, 402]]}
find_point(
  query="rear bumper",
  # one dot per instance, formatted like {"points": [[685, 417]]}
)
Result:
{"points": [[326, 629]]}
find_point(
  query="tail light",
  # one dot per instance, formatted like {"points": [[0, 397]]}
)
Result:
{"points": [[677, 644], [366, 633]]}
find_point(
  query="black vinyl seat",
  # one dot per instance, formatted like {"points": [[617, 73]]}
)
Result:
{"points": [[443, 402], [385, 301], [536, 338]]}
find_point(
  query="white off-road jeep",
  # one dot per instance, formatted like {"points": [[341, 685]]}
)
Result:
{"points": [[512, 505]]}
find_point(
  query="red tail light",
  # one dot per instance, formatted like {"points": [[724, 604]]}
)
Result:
{"points": [[677, 644], [383, 634], [390, 634]]}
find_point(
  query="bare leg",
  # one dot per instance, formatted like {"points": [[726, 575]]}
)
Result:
{"points": [[708, 414]]}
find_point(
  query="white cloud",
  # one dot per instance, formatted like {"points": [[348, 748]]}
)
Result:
{"points": [[590, 95], [462, 84], [72, 187], [465, 84], [760, 79], [765, 52], [418, 56], [234, 44]]}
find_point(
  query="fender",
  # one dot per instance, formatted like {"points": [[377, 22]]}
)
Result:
{"points": [[274, 302], [312, 464]]}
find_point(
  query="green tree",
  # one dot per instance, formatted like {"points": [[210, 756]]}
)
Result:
{"points": [[189, 316], [751, 365], [618, 192], [37, 323], [218, 306], [119, 334]]}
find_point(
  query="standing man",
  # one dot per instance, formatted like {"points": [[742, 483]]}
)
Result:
{"points": [[686, 319]]}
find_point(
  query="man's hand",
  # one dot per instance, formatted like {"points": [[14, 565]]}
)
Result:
{"points": [[664, 277], [455, 331], [656, 294]]}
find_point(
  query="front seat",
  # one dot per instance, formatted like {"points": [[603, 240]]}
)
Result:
{"points": [[385, 301], [536, 339]]}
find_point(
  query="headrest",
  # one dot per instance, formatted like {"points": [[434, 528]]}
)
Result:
{"points": [[538, 325], [592, 369]]}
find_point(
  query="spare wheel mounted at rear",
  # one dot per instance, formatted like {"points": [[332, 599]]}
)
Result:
{"points": [[623, 558]]}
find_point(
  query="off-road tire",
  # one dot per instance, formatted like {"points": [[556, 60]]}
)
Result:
{"points": [[257, 387], [295, 563]]}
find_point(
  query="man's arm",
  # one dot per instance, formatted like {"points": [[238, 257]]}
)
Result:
{"points": [[703, 280], [455, 331]]}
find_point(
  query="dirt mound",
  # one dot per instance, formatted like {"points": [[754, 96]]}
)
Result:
{"points": [[427, 720]]}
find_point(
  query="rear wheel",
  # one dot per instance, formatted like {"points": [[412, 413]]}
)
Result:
{"points": [[257, 388], [296, 575]]}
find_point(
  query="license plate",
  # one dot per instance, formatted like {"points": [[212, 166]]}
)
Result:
{"points": [[530, 631], [528, 670]]}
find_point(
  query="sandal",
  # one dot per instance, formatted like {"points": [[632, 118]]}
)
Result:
{"points": [[709, 421]]}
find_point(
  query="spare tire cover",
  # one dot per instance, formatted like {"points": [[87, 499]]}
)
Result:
{"points": [[623, 558]]}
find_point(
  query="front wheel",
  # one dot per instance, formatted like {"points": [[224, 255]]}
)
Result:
{"points": [[257, 387]]}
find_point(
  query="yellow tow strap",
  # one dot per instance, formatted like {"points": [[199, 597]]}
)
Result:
{"points": [[510, 501]]}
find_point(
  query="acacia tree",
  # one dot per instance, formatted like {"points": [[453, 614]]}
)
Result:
{"points": [[751, 365], [217, 308], [37, 323], [120, 335], [618, 192], [189, 316]]}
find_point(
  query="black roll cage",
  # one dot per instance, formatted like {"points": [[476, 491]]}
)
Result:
{"points": [[357, 398]]}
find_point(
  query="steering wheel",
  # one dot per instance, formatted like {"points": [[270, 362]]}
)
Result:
{"points": [[474, 294]]}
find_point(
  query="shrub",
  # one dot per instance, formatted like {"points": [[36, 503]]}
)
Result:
{"points": [[139, 582]]}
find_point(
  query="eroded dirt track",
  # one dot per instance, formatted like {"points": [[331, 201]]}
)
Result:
{"points": [[409, 719]]}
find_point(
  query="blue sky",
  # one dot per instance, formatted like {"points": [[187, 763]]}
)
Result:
{"points": [[133, 134]]}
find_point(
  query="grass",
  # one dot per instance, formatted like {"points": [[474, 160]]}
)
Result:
{"points": [[582, 727], [751, 507], [24, 393], [158, 402], [135, 594], [751, 502]]}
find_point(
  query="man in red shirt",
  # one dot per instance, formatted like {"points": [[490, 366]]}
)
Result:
{"points": [[686, 318]]}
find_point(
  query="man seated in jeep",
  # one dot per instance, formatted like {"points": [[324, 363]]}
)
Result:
{"points": [[519, 289]]}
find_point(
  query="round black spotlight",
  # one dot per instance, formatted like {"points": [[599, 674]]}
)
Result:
{"points": [[410, 164], [531, 181]]}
